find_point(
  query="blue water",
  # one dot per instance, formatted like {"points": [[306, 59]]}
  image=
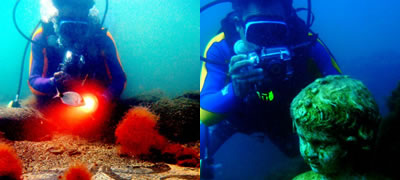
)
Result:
{"points": [[362, 35], [157, 40]]}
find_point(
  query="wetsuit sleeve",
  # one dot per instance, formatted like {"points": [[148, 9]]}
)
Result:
{"points": [[38, 82], [324, 60], [114, 68], [216, 93]]}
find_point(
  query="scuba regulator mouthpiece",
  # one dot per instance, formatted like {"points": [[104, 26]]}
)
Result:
{"points": [[240, 47], [52, 41]]}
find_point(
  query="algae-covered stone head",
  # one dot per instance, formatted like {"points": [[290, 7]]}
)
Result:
{"points": [[336, 119]]}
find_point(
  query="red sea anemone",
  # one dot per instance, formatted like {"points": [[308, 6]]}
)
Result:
{"points": [[10, 164], [137, 134], [77, 172], [183, 156]]}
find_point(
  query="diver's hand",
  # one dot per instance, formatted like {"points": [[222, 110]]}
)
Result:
{"points": [[243, 74], [63, 79]]}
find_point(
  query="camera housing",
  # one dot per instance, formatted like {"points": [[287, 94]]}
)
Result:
{"points": [[275, 62], [72, 63]]}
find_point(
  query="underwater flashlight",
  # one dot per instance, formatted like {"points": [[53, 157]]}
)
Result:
{"points": [[91, 103]]}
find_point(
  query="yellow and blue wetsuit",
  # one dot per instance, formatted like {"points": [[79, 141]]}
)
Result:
{"points": [[226, 114]]}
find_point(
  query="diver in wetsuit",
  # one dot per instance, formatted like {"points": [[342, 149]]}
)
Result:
{"points": [[71, 54], [252, 70], [73, 50]]}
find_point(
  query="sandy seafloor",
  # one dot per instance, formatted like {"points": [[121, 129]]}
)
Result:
{"points": [[50, 159]]}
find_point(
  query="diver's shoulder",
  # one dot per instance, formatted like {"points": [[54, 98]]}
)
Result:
{"points": [[217, 44], [38, 34], [103, 35], [102, 32], [217, 39]]}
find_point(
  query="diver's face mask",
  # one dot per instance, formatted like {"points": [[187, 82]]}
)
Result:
{"points": [[73, 29], [266, 32], [72, 33]]}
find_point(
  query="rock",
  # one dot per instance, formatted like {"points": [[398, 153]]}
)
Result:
{"points": [[73, 152], [56, 150], [179, 117], [23, 123]]}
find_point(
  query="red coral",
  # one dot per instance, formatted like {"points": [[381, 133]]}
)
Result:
{"points": [[189, 162], [183, 156], [10, 164], [172, 149], [137, 134], [77, 172]]}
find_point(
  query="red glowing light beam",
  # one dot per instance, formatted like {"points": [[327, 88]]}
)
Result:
{"points": [[91, 103]]}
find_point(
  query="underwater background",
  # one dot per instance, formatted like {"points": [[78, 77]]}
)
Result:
{"points": [[363, 35], [157, 40]]}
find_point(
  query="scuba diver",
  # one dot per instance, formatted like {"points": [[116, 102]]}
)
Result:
{"points": [[75, 73], [262, 57], [72, 51]]}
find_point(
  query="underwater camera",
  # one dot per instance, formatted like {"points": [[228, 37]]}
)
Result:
{"points": [[273, 55], [72, 63], [275, 62]]}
